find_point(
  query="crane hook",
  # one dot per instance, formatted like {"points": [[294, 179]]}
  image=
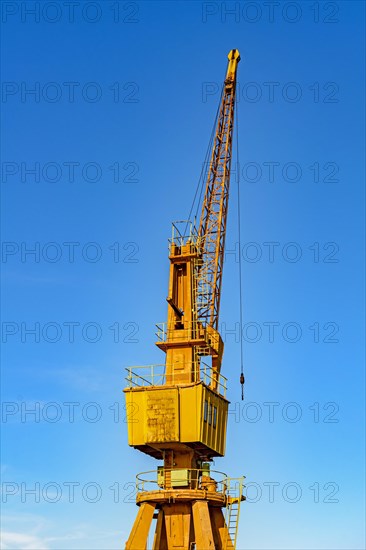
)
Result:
{"points": [[242, 382]]}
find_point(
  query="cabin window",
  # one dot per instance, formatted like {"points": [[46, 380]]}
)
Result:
{"points": [[210, 414], [214, 417], [205, 412]]}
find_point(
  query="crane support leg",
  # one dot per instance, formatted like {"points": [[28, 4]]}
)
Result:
{"points": [[190, 523], [202, 526], [160, 540], [178, 526], [220, 531], [140, 530]]}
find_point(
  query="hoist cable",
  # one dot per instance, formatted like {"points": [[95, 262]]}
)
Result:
{"points": [[202, 178], [242, 378], [209, 153]]}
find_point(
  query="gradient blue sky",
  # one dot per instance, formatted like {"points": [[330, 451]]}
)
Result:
{"points": [[163, 55]]}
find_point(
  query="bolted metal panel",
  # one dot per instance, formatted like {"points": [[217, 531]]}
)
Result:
{"points": [[162, 415]]}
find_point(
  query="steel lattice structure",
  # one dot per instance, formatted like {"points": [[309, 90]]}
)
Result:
{"points": [[212, 228]]}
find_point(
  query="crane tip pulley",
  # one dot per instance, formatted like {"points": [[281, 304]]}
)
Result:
{"points": [[234, 54], [234, 58]]}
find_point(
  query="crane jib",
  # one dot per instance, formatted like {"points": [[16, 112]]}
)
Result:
{"points": [[212, 226]]}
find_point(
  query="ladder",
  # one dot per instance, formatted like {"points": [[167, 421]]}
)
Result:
{"points": [[234, 494]]}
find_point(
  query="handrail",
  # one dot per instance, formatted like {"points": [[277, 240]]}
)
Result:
{"points": [[167, 331], [167, 479], [155, 375], [181, 238], [195, 478]]}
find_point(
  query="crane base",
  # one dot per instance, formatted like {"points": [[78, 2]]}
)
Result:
{"points": [[186, 520]]}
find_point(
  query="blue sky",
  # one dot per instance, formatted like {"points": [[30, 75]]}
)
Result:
{"points": [[116, 132]]}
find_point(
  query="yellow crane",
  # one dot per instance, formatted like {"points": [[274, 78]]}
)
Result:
{"points": [[178, 411]]}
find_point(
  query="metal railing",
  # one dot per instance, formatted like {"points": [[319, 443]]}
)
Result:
{"points": [[194, 330], [164, 479], [183, 231], [156, 375]]}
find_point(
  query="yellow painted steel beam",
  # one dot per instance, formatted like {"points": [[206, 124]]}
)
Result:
{"points": [[178, 525], [140, 530], [220, 531], [160, 540], [202, 526]]}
